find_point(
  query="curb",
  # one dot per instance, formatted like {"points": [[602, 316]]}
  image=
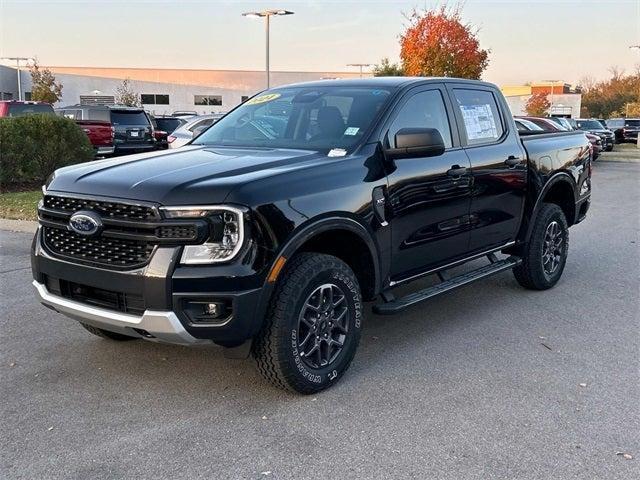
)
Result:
{"points": [[23, 226]]}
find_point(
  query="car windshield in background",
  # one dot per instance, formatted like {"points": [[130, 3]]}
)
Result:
{"points": [[321, 118], [168, 124], [589, 125], [632, 123], [123, 117], [19, 109]]}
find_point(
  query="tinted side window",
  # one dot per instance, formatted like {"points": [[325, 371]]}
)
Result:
{"points": [[423, 110], [480, 115]]}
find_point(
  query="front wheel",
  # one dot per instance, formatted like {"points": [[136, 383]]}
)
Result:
{"points": [[545, 255], [312, 329]]}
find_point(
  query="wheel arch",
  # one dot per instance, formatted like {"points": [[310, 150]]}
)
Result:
{"points": [[559, 189]]}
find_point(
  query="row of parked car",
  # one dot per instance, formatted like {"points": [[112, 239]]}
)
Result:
{"points": [[120, 130], [602, 134]]}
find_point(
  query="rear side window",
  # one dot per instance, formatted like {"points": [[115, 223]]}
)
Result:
{"points": [[202, 123], [98, 115], [480, 115], [423, 110], [122, 117], [20, 109]]}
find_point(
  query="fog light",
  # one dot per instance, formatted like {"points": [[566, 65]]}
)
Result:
{"points": [[214, 310]]}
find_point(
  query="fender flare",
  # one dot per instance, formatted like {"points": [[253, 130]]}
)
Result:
{"points": [[315, 227], [306, 232], [559, 177]]}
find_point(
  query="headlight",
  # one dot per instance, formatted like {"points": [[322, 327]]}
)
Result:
{"points": [[226, 233]]}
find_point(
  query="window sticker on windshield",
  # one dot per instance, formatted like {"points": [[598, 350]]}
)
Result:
{"points": [[263, 99], [337, 152], [479, 121], [351, 131]]}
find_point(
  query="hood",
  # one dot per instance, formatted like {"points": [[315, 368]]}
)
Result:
{"points": [[192, 175], [600, 131]]}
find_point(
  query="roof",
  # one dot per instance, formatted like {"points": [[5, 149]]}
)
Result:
{"points": [[380, 82]]}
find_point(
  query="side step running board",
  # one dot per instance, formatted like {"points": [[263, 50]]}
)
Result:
{"points": [[400, 304]]}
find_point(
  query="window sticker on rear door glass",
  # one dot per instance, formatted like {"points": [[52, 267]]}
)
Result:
{"points": [[479, 121]]}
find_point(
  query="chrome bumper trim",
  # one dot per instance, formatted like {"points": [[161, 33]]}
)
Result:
{"points": [[162, 325]]}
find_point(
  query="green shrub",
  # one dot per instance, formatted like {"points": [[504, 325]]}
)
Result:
{"points": [[33, 146]]}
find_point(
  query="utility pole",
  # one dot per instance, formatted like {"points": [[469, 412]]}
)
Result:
{"points": [[18, 60], [267, 14]]}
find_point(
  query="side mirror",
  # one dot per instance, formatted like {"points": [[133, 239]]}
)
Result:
{"points": [[417, 142]]}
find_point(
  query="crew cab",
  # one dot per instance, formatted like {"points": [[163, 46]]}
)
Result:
{"points": [[93, 122], [267, 232]]}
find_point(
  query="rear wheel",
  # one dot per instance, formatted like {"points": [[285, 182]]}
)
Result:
{"points": [[312, 329], [545, 254], [99, 332]]}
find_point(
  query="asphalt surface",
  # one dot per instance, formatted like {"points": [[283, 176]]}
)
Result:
{"points": [[491, 381]]}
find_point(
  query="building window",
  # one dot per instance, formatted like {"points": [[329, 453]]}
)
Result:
{"points": [[6, 96], [207, 100], [27, 96], [244, 98], [154, 99]]}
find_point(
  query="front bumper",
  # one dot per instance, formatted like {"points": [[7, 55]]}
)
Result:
{"points": [[152, 325], [162, 290]]}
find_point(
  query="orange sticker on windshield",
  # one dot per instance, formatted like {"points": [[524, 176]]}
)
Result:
{"points": [[263, 99]]}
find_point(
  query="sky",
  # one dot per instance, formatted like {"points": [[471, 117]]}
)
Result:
{"points": [[529, 40]]}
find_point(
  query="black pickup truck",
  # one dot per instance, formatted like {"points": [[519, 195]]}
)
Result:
{"points": [[267, 233]]}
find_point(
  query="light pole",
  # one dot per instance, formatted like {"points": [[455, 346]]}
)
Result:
{"points": [[361, 65], [267, 14], [18, 60]]}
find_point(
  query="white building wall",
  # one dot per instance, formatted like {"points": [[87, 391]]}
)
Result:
{"points": [[563, 104], [181, 97]]}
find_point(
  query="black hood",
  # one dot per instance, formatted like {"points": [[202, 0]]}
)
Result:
{"points": [[191, 175]]}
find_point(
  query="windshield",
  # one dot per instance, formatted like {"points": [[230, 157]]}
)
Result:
{"points": [[320, 118], [632, 123], [589, 125]]}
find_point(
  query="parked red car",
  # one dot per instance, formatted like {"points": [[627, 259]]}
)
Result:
{"points": [[15, 108], [99, 131]]}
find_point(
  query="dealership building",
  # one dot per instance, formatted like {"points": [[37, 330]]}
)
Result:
{"points": [[163, 91]]}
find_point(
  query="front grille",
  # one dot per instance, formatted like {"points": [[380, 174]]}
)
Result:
{"points": [[110, 299], [105, 251], [130, 232], [106, 209], [177, 231]]}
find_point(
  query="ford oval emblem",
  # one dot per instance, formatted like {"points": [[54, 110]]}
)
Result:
{"points": [[86, 223]]}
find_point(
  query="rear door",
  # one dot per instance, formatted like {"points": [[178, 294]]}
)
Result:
{"points": [[498, 162], [429, 196]]}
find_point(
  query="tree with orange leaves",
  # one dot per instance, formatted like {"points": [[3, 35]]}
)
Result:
{"points": [[538, 105], [438, 43]]}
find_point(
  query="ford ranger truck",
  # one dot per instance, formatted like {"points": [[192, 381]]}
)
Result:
{"points": [[267, 233]]}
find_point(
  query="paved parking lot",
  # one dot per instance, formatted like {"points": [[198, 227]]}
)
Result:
{"points": [[490, 382]]}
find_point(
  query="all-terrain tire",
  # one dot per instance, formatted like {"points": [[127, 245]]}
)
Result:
{"points": [[279, 349], [535, 272], [118, 337]]}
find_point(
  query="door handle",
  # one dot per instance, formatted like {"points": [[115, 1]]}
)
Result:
{"points": [[512, 161], [456, 171]]}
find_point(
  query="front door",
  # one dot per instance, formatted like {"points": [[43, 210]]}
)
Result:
{"points": [[429, 197]]}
